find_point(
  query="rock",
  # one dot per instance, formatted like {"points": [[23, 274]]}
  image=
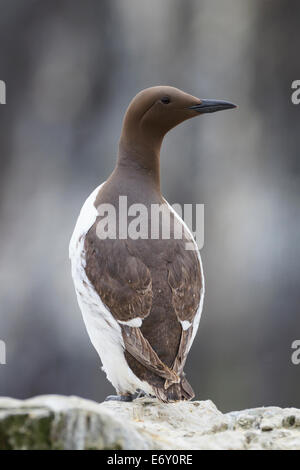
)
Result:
{"points": [[58, 422]]}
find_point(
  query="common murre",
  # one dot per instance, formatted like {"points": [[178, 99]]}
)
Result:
{"points": [[141, 299]]}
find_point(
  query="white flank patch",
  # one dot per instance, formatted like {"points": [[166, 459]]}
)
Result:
{"points": [[135, 322], [104, 331], [185, 324]]}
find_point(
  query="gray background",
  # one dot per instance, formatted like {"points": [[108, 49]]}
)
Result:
{"points": [[71, 68]]}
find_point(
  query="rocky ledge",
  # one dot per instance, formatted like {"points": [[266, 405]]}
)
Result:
{"points": [[58, 422]]}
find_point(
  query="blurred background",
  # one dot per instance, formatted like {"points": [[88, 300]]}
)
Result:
{"points": [[71, 68]]}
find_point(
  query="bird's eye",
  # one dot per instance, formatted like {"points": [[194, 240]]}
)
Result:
{"points": [[165, 100]]}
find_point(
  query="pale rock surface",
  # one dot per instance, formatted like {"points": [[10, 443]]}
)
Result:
{"points": [[58, 422]]}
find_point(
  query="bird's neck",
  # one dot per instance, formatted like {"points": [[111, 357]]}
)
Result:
{"points": [[141, 159]]}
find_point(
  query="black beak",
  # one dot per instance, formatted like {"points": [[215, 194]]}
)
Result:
{"points": [[211, 106]]}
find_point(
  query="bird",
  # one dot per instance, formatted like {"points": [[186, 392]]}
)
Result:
{"points": [[141, 297]]}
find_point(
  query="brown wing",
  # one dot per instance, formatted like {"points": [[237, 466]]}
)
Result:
{"points": [[185, 281], [139, 347], [124, 285], [122, 280]]}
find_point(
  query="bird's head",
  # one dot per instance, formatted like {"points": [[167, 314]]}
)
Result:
{"points": [[156, 110]]}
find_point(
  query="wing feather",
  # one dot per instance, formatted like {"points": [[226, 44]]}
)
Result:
{"points": [[139, 347]]}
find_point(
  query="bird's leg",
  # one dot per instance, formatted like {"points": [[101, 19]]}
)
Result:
{"points": [[139, 394], [127, 397]]}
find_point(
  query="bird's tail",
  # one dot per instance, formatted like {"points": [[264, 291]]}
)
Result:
{"points": [[175, 392]]}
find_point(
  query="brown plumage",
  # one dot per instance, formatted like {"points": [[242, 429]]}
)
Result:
{"points": [[157, 282]]}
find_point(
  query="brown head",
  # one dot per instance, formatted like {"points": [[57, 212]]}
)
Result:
{"points": [[151, 114]]}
